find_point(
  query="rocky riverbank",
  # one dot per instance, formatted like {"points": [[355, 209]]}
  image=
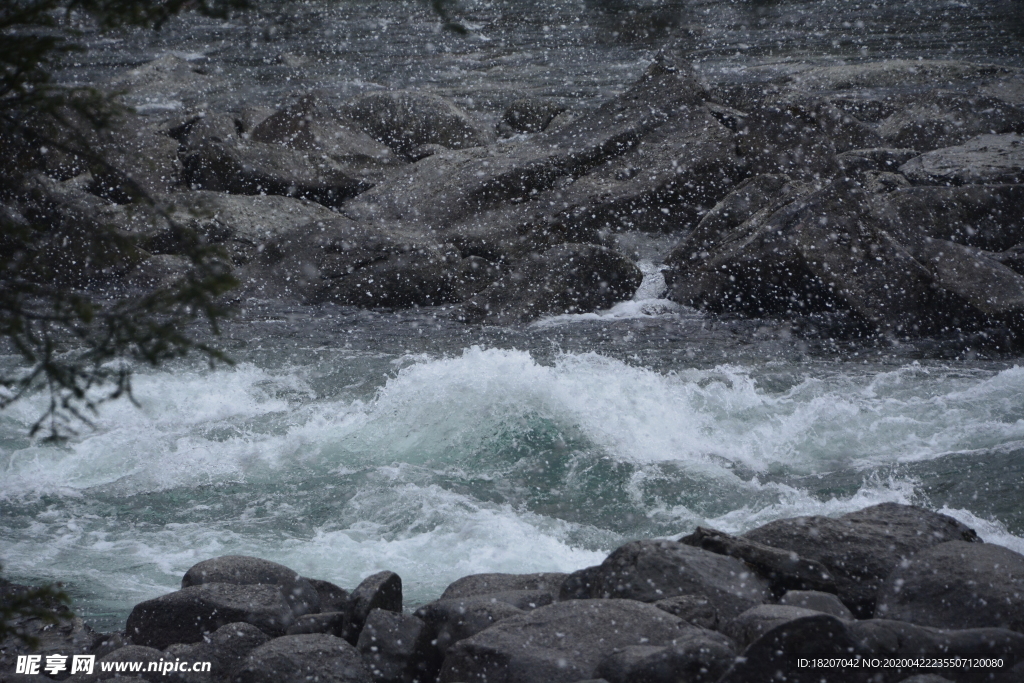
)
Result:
{"points": [[878, 198], [890, 581]]}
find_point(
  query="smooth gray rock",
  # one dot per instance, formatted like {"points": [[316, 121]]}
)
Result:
{"points": [[700, 657], [397, 648], [382, 590], [695, 609], [747, 627], [404, 120], [455, 619], [224, 648], [774, 656], [185, 615], [785, 570], [817, 601], [242, 570], [649, 571], [957, 585], [334, 623], [332, 598], [984, 160], [483, 584], [569, 278], [559, 643], [303, 658], [861, 548]]}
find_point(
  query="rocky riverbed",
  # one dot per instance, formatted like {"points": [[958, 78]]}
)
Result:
{"points": [[890, 581], [858, 199]]}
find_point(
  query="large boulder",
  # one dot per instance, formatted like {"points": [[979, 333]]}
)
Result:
{"points": [[455, 619], [984, 160], [559, 643], [304, 658], [569, 278], [224, 648], [957, 585], [817, 601], [397, 648], [406, 120], [242, 570], [785, 570], [382, 590], [947, 119], [186, 615], [649, 571], [698, 657], [252, 168], [748, 626], [486, 584], [778, 653], [861, 548]]}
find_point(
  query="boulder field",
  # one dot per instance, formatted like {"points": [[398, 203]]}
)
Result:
{"points": [[887, 195], [894, 591]]}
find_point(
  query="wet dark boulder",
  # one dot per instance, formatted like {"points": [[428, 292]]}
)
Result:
{"points": [[957, 585], [252, 168], [186, 615], [569, 278], [224, 648], [397, 648], [382, 590], [528, 115], [775, 655], [485, 584], [649, 571], [698, 657], [750, 625], [560, 643], [945, 119], [784, 569], [817, 601], [303, 658], [984, 160], [695, 609], [332, 598], [242, 570], [861, 548], [454, 619], [404, 120], [334, 623]]}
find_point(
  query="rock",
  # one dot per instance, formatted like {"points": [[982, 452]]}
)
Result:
{"points": [[946, 119], [455, 619], [861, 548], [185, 615], [559, 643], [695, 609], [957, 585], [569, 278], [896, 73], [304, 658], [397, 648], [311, 126], [785, 570], [332, 598], [984, 160], [817, 601], [800, 135], [456, 186], [698, 657], [168, 84], [246, 571], [405, 120], [975, 277], [254, 168], [649, 571], [582, 584], [983, 216], [774, 656], [334, 623], [528, 115], [876, 159], [224, 648], [747, 627], [382, 590], [354, 264]]}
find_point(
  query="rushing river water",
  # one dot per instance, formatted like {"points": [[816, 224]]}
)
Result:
{"points": [[345, 442]]}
